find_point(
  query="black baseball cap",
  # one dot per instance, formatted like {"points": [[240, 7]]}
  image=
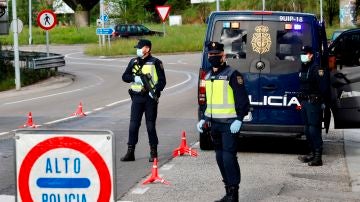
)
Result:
{"points": [[215, 47], [306, 50], [143, 42]]}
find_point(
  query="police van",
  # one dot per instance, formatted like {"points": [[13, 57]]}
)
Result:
{"points": [[265, 47]]}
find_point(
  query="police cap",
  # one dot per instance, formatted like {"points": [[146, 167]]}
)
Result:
{"points": [[143, 42], [306, 50], [215, 47]]}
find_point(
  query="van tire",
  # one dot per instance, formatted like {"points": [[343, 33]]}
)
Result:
{"points": [[205, 142]]}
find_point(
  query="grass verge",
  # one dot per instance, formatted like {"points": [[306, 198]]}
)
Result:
{"points": [[185, 38]]}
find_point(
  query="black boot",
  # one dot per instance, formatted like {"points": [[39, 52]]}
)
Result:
{"points": [[233, 195], [153, 153], [130, 154], [317, 161], [223, 199], [306, 158]]}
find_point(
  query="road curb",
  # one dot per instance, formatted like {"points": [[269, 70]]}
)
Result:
{"points": [[352, 156]]}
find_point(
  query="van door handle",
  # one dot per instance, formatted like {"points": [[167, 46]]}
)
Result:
{"points": [[269, 87]]}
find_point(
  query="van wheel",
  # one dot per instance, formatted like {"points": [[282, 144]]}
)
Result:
{"points": [[206, 142]]}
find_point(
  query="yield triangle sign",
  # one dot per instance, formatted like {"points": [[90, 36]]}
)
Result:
{"points": [[163, 12]]}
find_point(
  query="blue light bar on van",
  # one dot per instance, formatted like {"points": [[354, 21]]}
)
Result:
{"points": [[226, 25], [293, 26], [297, 26]]}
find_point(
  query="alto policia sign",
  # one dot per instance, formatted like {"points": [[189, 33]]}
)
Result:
{"points": [[64, 166]]}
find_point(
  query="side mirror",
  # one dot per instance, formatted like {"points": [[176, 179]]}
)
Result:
{"points": [[332, 63]]}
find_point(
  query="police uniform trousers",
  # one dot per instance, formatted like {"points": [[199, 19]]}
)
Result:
{"points": [[312, 116], [143, 103], [225, 144]]}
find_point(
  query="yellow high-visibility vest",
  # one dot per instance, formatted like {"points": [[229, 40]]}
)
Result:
{"points": [[148, 67], [220, 96]]}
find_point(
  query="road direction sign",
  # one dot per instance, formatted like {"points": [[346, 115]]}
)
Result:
{"points": [[163, 12], [64, 165], [104, 31], [104, 18], [46, 19]]}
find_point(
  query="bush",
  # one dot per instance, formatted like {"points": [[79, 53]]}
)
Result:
{"points": [[27, 76]]}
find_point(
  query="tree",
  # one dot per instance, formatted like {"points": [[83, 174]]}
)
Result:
{"points": [[331, 10]]}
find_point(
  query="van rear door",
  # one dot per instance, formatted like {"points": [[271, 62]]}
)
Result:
{"points": [[265, 48], [345, 79]]}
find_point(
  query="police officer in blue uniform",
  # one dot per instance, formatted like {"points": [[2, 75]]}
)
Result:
{"points": [[227, 103], [314, 87], [142, 100]]}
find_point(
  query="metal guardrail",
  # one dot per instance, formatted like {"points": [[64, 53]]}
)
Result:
{"points": [[47, 62], [35, 60]]}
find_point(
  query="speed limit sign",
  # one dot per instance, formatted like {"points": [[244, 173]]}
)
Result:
{"points": [[46, 19]]}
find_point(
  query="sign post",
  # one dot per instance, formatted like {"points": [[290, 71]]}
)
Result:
{"points": [[163, 12], [46, 19], [64, 165]]}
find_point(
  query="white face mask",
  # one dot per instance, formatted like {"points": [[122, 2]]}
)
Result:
{"points": [[304, 58], [139, 53]]}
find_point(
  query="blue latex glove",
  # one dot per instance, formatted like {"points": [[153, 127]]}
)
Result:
{"points": [[235, 126], [323, 106], [138, 80], [200, 125]]}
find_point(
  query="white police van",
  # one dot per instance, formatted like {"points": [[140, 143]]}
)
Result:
{"points": [[265, 47]]}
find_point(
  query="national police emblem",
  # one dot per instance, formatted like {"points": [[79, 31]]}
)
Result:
{"points": [[321, 72], [261, 40]]}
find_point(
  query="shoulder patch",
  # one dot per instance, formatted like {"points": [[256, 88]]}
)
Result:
{"points": [[240, 80], [321, 72]]}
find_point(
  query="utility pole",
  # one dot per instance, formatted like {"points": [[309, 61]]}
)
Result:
{"points": [[16, 46], [263, 2], [321, 11], [30, 23]]}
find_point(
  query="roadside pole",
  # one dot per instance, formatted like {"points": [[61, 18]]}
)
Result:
{"points": [[102, 20], [321, 11], [30, 23], [217, 5], [47, 43], [16, 46]]}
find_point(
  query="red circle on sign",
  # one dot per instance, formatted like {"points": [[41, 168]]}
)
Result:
{"points": [[70, 143], [50, 12]]}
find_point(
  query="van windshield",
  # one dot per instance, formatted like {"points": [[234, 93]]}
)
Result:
{"points": [[276, 43]]}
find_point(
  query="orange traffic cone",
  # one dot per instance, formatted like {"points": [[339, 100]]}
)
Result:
{"points": [[154, 175], [184, 148], [29, 123], [79, 111]]}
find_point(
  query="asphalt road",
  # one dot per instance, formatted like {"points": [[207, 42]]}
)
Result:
{"points": [[269, 166], [98, 85]]}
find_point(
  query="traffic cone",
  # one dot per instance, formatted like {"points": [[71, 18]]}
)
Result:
{"points": [[79, 111], [184, 148], [154, 175], [29, 123]]}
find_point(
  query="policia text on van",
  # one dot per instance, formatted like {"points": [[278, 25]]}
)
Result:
{"points": [[265, 48]]}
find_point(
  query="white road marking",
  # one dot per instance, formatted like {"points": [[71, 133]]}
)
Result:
{"points": [[140, 190], [7, 198], [55, 94], [89, 112]]}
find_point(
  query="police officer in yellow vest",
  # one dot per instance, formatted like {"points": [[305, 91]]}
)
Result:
{"points": [[227, 104], [142, 99]]}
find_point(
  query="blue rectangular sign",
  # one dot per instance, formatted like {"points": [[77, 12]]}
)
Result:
{"points": [[104, 31]]}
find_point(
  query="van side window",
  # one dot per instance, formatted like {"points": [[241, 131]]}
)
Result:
{"points": [[234, 41], [288, 45]]}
